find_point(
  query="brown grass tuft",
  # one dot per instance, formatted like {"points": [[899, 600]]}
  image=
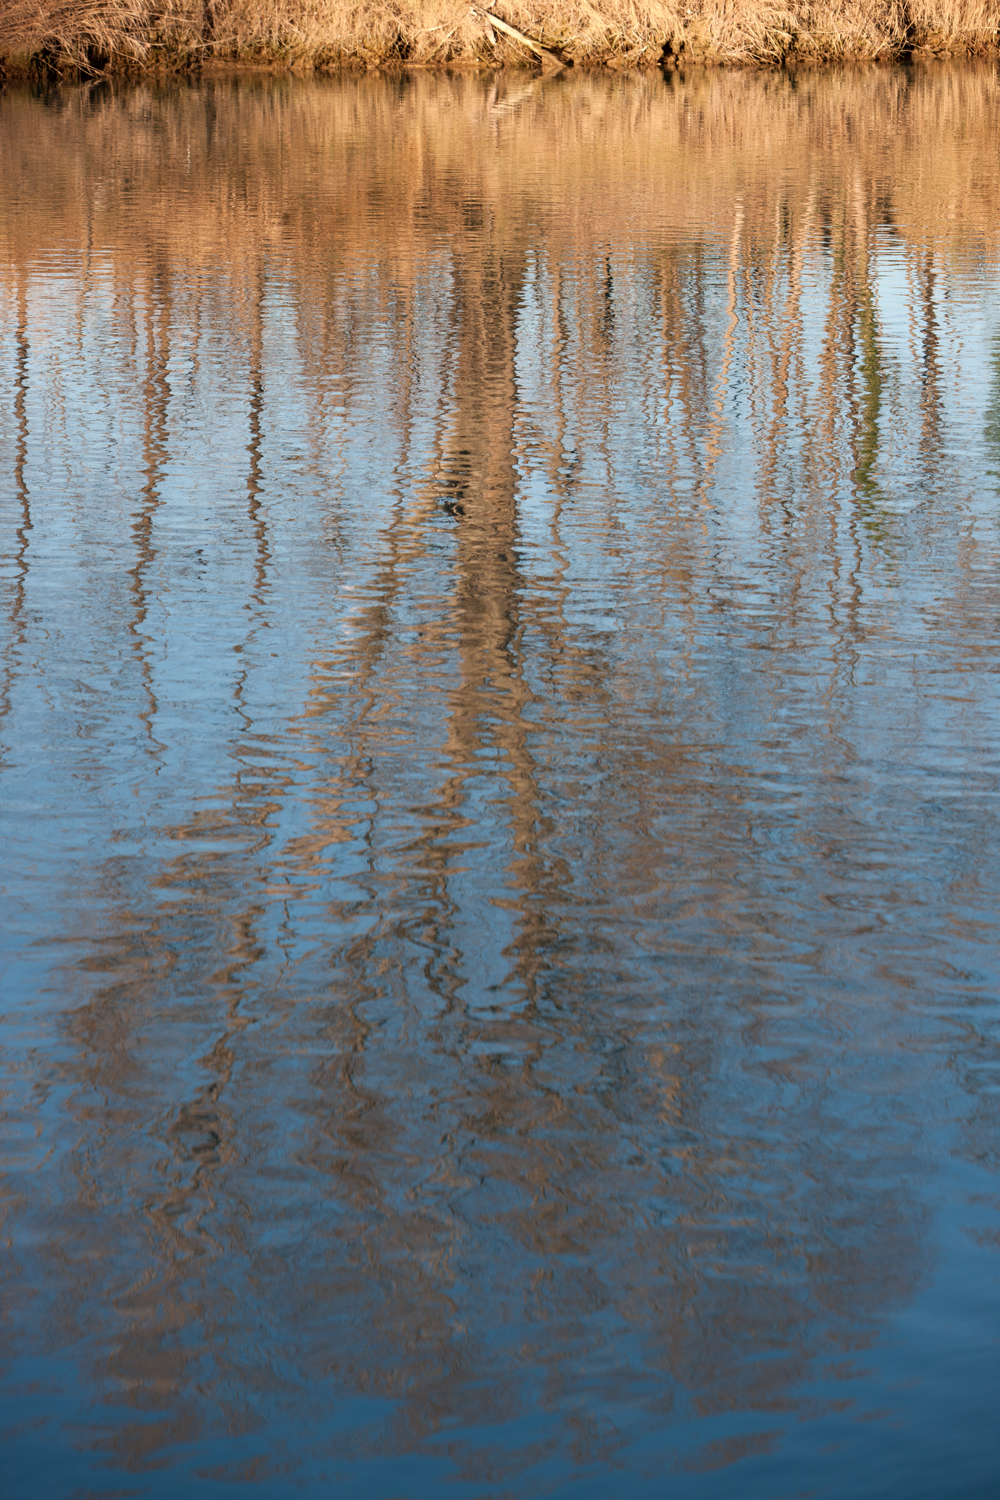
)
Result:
{"points": [[89, 34]]}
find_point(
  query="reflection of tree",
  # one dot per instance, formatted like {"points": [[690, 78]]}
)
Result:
{"points": [[853, 349], [23, 526], [992, 424], [931, 404], [258, 519], [488, 708], [155, 452]]}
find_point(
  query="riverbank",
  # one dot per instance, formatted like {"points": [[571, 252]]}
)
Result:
{"points": [[86, 38]]}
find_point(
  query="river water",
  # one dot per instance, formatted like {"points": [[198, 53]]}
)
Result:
{"points": [[499, 787]]}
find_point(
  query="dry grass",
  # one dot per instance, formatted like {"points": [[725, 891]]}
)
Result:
{"points": [[88, 33], [108, 34]]}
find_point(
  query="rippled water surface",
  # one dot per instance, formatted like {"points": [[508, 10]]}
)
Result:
{"points": [[500, 761]]}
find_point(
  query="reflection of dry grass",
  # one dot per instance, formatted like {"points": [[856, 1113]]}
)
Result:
{"points": [[252, 180], [906, 134], [327, 33]]}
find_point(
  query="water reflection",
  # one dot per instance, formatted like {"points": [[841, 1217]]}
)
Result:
{"points": [[499, 769]]}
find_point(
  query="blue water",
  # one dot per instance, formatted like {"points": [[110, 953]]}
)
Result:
{"points": [[499, 772]]}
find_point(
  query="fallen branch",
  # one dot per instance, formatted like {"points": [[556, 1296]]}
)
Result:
{"points": [[547, 54]]}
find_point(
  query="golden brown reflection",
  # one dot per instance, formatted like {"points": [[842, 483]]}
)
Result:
{"points": [[494, 997], [23, 520]]}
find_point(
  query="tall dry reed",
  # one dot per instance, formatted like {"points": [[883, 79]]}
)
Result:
{"points": [[90, 34], [100, 34]]}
